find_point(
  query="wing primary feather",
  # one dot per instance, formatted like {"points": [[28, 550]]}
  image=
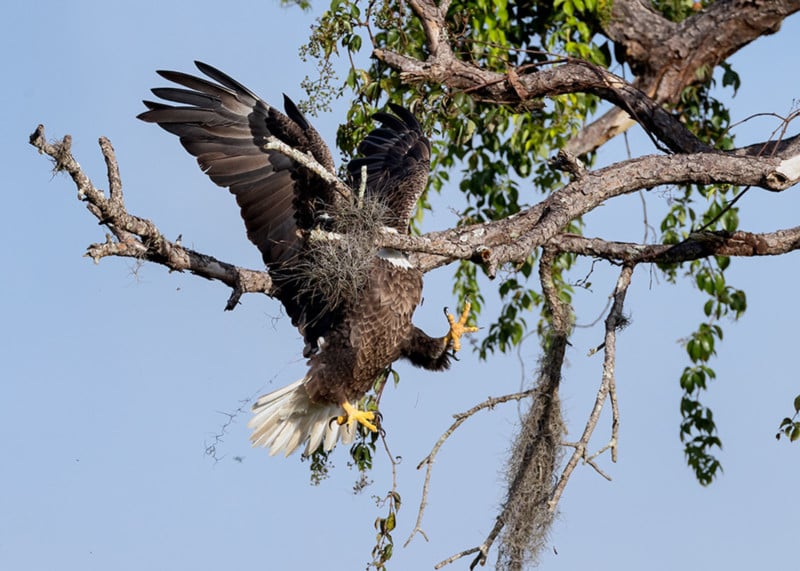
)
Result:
{"points": [[224, 79], [294, 113], [397, 157]]}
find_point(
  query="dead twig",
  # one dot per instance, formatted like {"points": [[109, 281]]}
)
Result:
{"points": [[461, 417], [607, 389]]}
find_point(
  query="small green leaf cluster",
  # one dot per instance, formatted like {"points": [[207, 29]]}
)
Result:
{"points": [[510, 327], [576, 25], [725, 300], [384, 544], [698, 430], [339, 27], [321, 465], [699, 420], [302, 4], [682, 218], [790, 427], [705, 115], [361, 453]]}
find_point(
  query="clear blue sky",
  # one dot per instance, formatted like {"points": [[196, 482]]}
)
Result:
{"points": [[113, 378]]}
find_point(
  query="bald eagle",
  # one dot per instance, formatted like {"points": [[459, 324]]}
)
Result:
{"points": [[351, 301]]}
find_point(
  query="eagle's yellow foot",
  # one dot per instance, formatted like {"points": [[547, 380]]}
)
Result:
{"points": [[458, 328], [352, 414]]}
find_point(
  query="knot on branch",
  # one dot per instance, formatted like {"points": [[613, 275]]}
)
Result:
{"points": [[59, 151], [785, 175], [567, 162], [483, 256]]}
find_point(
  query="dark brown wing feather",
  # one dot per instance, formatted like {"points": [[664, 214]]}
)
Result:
{"points": [[397, 156], [225, 126]]}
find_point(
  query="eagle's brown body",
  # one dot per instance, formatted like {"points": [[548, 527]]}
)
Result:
{"points": [[368, 338], [350, 339]]}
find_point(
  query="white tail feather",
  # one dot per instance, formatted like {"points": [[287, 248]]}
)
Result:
{"points": [[286, 418]]}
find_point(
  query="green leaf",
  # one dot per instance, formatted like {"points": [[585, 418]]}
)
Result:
{"points": [[390, 522]]}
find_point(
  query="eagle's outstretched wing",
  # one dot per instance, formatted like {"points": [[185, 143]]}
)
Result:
{"points": [[225, 125], [397, 156]]}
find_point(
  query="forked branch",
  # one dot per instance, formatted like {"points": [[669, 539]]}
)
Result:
{"points": [[614, 321], [428, 461], [138, 238]]}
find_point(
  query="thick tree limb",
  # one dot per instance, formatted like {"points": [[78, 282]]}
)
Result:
{"points": [[571, 76], [666, 57], [510, 240], [656, 47], [696, 246]]}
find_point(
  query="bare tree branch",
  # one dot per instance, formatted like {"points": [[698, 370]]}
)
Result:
{"points": [[613, 322], [428, 461], [139, 238], [309, 162]]}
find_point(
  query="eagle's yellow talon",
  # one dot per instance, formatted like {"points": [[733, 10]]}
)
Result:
{"points": [[352, 414], [458, 328]]}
